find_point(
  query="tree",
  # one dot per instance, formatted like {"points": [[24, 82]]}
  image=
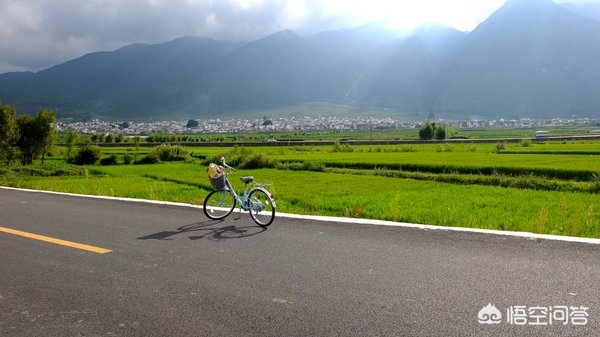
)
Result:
{"points": [[27, 142], [46, 125], [37, 136], [72, 140], [427, 131], [430, 131], [440, 132], [192, 123], [98, 137], [9, 133], [136, 144], [451, 131]]}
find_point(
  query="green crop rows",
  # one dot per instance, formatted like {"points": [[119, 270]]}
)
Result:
{"points": [[550, 188]]}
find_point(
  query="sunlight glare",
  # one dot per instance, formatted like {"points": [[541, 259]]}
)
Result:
{"points": [[460, 14]]}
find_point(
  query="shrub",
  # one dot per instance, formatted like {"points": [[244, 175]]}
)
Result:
{"points": [[128, 159], [111, 160], [301, 166], [406, 148], [87, 155], [314, 166], [244, 158], [256, 161], [525, 142], [150, 158], [594, 187], [344, 148], [46, 171], [171, 153], [444, 148], [292, 166], [69, 171]]}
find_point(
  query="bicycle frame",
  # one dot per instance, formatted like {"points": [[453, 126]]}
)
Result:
{"points": [[244, 200], [254, 199]]}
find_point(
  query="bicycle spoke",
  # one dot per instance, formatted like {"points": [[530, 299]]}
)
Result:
{"points": [[218, 204], [261, 207]]}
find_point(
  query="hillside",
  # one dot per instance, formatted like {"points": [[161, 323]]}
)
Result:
{"points": [[126, 82], [531, 58]]}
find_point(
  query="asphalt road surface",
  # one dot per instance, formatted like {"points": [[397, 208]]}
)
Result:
{"points": [[138, 269]]}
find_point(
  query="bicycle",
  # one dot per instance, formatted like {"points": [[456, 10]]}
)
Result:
{"points": [[222, 200]]}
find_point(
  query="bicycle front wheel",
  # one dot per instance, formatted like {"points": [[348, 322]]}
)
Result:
{"points": [[219, 204], [262, 209]]}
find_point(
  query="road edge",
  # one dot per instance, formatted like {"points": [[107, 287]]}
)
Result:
{"points": [[527, 235]]}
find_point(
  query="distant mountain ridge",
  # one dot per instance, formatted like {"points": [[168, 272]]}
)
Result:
{"points": [[531, 58]]}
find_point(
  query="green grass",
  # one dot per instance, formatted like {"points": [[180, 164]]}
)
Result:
{"points": [[437, 203], [455, 158], [389, 189], [153, 182], [374, 197]]}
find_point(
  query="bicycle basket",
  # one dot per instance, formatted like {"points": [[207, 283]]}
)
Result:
{"points": [[216, 176], [218, 183]]}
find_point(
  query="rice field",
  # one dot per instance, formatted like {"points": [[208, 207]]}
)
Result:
{"points": [[543, 188]]}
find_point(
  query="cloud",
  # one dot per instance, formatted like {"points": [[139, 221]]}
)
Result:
{"points": [[36, 34]]}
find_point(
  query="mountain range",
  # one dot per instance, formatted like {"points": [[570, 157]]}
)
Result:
{"points": [[531, 58]]}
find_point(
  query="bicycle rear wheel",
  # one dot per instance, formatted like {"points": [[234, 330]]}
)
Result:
{"points": [[262, 209], [219, 204]]}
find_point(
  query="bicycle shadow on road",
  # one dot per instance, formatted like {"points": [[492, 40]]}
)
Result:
{"points": [[210, 230]]}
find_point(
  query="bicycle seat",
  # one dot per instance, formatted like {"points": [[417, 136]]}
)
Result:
{"points": [[247, 179]]}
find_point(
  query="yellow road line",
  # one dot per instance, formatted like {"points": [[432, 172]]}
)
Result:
{"points": [[56, 241]]}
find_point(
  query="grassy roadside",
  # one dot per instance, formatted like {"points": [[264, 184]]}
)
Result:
{"points": [[388, 194]]}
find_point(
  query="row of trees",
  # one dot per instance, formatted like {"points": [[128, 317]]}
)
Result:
{"points": [[432, 131], [108, 138], [25, 137]]}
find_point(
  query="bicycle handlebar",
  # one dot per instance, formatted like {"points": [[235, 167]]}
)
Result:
{"points": [[224, 164]]}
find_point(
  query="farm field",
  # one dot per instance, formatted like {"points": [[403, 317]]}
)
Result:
{"points": [[549, 188]]}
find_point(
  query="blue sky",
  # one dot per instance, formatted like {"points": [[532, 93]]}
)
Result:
{"points": [[37, 34]]}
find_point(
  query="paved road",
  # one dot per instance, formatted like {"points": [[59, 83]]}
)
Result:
{"points": [[171, 272]]}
